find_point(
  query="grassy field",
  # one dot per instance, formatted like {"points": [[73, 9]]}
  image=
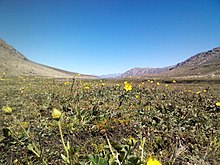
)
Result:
{"points": [[109, 121]]}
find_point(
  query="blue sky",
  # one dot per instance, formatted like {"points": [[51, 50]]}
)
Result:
{"points": [[110, 36]]}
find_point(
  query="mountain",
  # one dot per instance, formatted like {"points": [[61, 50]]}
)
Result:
{"points": [[115, 75], [145, 71], [200, 65], [13, 63]]}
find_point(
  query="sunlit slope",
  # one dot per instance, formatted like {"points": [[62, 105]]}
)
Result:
{"points": [[13, 63], [202, 64], [205, 64]]}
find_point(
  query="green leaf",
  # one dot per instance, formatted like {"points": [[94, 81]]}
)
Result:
{"points": [[64, 158], [97, 160], [133, 160], [31, 148], [6, 132]]}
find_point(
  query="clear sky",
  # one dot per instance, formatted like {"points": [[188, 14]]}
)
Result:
{"points": [[110, 36]]}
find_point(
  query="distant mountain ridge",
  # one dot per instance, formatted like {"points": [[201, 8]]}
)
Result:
{"points": [[202, 64], [13, 63], [114, 75], [200, 58], [145, 71]]}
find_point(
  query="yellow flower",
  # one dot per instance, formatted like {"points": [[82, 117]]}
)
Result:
{"points": [[127, 86], [218, 104], [198, 92], [7, 109], [86, 87], [174, 81], [158, 83], [204, 91], [152, 161], [137, 96], [56, 114], [166, 85], [25, 124], [66, 83]]}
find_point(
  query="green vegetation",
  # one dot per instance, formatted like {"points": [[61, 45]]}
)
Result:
{"points": [[100, 122]]}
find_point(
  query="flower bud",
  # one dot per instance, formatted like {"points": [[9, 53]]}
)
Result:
{"points": [[56, 114], [7, 109]]}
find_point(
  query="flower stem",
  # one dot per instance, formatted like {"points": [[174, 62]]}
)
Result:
{"points": [[64, 145], [110, 146]]}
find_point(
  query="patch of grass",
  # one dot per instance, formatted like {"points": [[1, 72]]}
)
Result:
{"points": [[102, 123]]}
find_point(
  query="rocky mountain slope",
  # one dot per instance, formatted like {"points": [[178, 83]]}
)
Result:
{"points": [[13, 63], [200, 65], [144, 71]]}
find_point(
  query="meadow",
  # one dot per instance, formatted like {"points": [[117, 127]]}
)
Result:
{"points": [[117, 122]]}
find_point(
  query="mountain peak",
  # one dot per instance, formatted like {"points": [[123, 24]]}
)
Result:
{"points": [[11, 50], [144, 71], [200, 58], [202, 64]]}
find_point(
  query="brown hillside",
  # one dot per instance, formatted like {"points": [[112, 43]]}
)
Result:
{"points": [[13, 63], [205, 64], [202, 64]]}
